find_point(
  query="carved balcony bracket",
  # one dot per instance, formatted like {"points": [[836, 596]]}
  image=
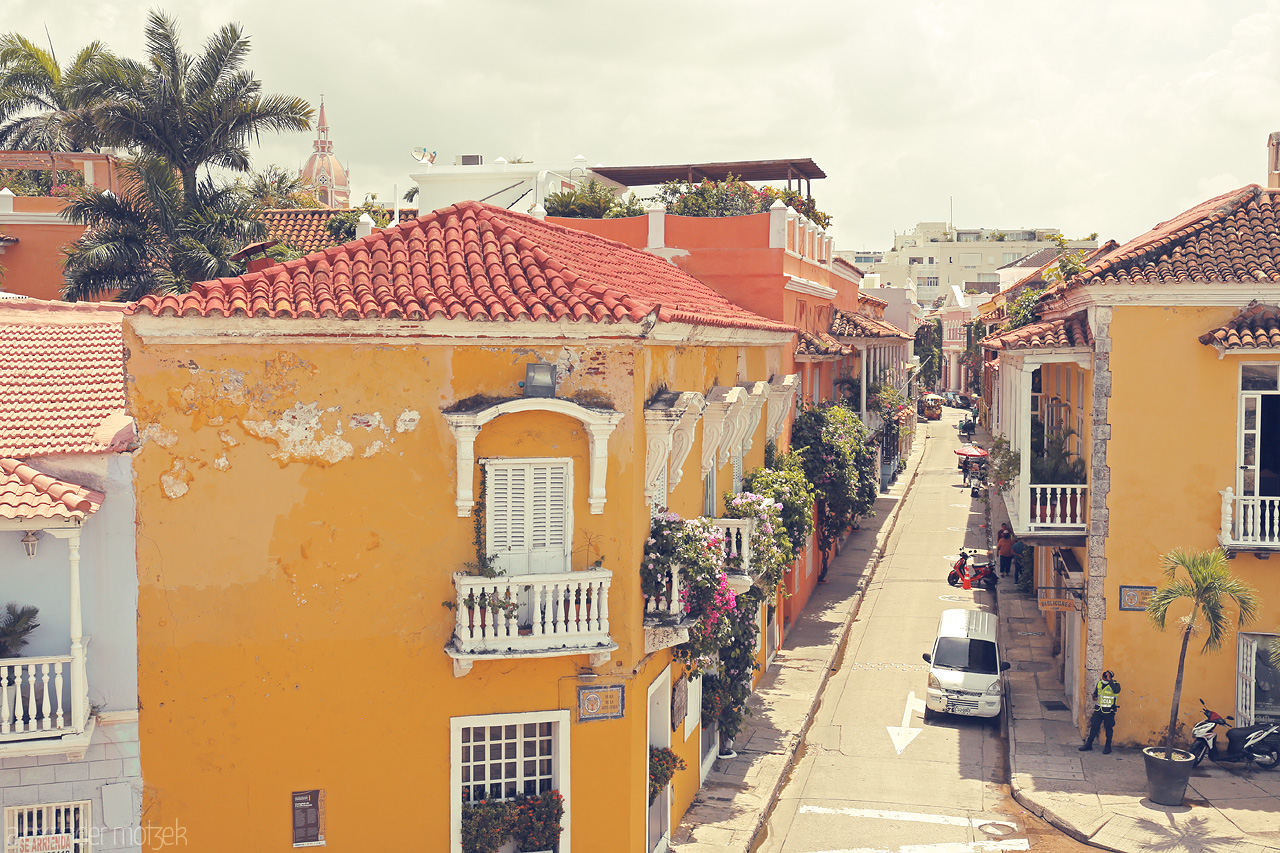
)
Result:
{"points": [[668, 423], [724, 405], [757, 393], [782, 394]]}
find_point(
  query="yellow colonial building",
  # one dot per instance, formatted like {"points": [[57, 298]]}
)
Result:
{"points": [[1145, 405], [392, 503]]}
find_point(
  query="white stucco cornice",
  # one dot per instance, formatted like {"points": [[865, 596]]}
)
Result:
{"points": [[723, 406], [1032, 358], [1181, 294], [662, 423], [782, 394], [599, 423], [810, 288]]}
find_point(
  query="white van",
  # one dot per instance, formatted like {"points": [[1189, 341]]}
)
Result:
{"points": [[965, 666]]}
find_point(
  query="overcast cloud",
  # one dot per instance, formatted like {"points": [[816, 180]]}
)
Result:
{"points": [[1086, 116]]}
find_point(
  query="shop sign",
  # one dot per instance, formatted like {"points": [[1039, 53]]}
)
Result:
{"points": [[679, 702], [601, 703], [1057, 605], [60, 843]]}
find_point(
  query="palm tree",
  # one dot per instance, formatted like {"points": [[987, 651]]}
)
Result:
{"points": [[42, 106], [16, 622], [193, 111], [152, 237], [1209, 587], [277, 189]]}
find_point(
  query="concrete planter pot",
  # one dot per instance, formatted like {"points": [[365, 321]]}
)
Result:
{"points": [[1167, 778]]}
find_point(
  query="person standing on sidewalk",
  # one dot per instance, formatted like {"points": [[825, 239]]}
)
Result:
{"points": [[1004, 547], [1107, 694]]}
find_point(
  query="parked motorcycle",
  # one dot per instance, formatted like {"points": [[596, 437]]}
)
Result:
{"points": [[1258, 744], [979, 573], [975, 476]]}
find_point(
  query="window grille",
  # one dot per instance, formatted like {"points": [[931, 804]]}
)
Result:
{"points": [[500, 762], [71, 821]]}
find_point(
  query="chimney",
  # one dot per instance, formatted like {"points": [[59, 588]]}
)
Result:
{"points": [[1273, 161]]}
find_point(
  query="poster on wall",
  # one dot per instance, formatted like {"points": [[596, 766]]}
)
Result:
{"points": [[308, 818]]}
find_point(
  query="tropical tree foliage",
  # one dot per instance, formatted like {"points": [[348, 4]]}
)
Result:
{"points": [[194, 111], [152, 237], [592, 200], [1210, 589], [929, 348], [733, 197], [44, 107], [839, 460], [275, 188]]}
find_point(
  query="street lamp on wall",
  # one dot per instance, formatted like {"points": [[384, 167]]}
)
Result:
{"points": [[29, 542], [539, 380]]}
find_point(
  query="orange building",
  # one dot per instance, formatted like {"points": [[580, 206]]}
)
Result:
{"points": [[34, 232], [332, 445], [780, 265]]}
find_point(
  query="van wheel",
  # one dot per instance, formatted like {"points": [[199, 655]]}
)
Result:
{"points": [[929, 714]]}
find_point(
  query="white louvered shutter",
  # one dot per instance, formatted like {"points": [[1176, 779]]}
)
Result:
{"points": [[527, 515]]}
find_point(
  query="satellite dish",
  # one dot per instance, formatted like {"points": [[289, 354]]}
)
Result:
{"points": [[422, 155]]}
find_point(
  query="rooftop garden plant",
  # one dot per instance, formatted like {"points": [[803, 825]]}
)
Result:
{"points": [[733, 197], [592, 200]]}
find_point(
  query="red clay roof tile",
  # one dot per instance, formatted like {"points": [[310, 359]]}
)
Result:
{"points": [[61, 378], [1256, 327], [306, 229], [820, 344], [847, 325], [471, 261], [1229, 238], [25, 493], [1070, 331]]}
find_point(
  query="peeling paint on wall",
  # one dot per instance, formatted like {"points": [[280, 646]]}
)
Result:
{"points": [[408, 420], [175, 481], [300, 433]]}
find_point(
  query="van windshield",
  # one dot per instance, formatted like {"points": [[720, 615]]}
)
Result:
{"points": [[966, 655]]}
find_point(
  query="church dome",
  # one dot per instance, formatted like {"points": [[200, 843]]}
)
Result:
{"points": [[323, 170]]}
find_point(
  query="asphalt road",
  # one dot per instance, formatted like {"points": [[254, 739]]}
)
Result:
{"points": [[872, 776]]}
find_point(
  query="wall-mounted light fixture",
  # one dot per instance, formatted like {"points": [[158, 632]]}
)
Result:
{"points": [[29, 542], [539, 380]]}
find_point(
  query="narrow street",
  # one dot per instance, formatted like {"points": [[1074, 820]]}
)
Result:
{"points": [[871, 774]]}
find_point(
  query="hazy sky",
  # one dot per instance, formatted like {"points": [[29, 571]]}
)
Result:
{"points": [[1086, 116]]}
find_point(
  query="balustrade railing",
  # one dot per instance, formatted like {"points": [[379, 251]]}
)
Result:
{"points": [[532, 612], [1060, 506], [36, 698], [1250, 520], [737, 543]]}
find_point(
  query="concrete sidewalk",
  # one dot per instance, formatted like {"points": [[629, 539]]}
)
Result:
{"points": [[1101, 799], [728, 814]]}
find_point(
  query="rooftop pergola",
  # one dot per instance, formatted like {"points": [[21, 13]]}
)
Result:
{"points": [[748, 170]]}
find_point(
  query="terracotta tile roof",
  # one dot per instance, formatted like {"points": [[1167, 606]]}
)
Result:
{"points": [[847, 325], [305, 229], [26, 493], [471, 261], [1070, 331], [1257, 326], [865, 298], [820, 344], [61, 378], [1229, 238]]}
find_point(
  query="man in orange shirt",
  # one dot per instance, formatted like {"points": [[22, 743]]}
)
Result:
{"points": [[1004, 547]]}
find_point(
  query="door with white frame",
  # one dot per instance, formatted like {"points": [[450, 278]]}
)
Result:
{"points": [[1257, 680], [528, 517], [659, 818], [1257, 512]]}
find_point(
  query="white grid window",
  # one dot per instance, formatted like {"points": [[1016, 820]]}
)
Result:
{"points": [[64, 825], [501, 756], [504, 761]]}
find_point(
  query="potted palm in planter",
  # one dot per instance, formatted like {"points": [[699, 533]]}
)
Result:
{"points": [[1209, 587], [1058, 466]]}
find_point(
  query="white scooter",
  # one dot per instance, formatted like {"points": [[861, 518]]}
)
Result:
{"points": [[1258, 744]]}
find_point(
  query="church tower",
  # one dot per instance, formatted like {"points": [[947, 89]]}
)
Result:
{"points": [[323, 171]]}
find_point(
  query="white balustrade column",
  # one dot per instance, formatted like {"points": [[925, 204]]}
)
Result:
{"points": [[79, 673]]}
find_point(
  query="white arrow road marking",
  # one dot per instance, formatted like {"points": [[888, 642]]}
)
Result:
{"points": [[915, 817], [904, 734]]}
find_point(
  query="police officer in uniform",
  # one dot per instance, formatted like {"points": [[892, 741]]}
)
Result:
{"points": [[1107, 695]]}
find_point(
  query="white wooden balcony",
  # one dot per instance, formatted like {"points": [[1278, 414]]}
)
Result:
{"points": [[42, 698], [1056, 508], [665, 622], [531, 615], [737, 551], [1249, 522]]}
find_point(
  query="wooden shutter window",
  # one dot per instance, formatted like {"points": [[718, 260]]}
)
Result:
{"points": [[527, 514]]}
